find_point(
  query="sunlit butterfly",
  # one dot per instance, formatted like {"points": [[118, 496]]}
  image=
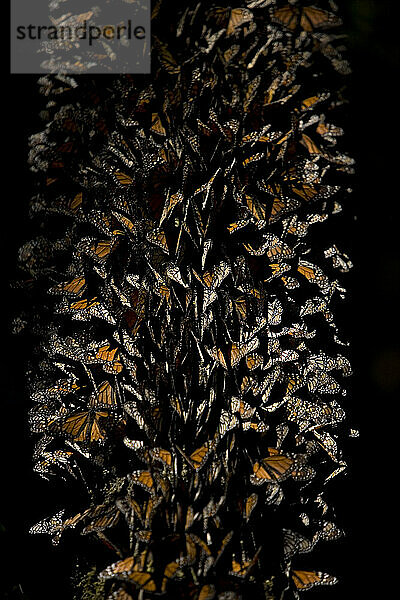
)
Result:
{"points": [[304, 580], [275, 467], [308, 18], [162, 455], [329, 531], [120, 568], [199, 456], [56, 458], [87, 426], [144, 479], [237, 351], [75, 287], [101, 517], [105, 397], [109, 356], [51, 525], [123, 178]]}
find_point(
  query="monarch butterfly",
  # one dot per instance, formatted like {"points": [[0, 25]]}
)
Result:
{"points": [[243, 408], [131, 570], [258, 211], [313, 191], [82, 426], [328, 132], [340, 260], [55, 525], [170, 572], [123, 178], [85, 309], [329, 531], [101, 249], [254, 158], [309, 271], [243, 569], [157, 236], [84, 304], [150, 507], [105, 399], [275, 467], [274, 248], [214, 277], [63, 386], [275, 310], [110, 358], [123, 569], [280, 207], [199, 456], [308, 18], [239, 569], [130, 509], [48, 459], [226, 423], [143, 580], [102, 517], [250, 504], [144, 479], [170, 203], [76, 202], [233, 227], [258, 426], [237, 351], [304, 580], [294, 543], [323, 383], [156, 125], [310, 102], [172, 271], [124, 221], [310, 145], [162, 455], [238, 17], [51, 525], [328, 443], [303, 473], [218, 355], [260, 474], [76, 287]]}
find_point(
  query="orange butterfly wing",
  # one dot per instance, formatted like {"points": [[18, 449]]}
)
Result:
{"points": [[305, 580], [287, 16]]}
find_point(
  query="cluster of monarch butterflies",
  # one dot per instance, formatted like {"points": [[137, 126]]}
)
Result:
{"points": [[190, 374]]}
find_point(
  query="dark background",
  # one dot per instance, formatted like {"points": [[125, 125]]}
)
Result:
{"points": [[366, 499]]}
